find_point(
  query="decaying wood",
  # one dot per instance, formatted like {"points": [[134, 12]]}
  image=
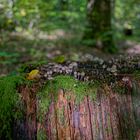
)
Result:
{"points": [[111, 116], [26, 129], [114, 117], [96, 69]]}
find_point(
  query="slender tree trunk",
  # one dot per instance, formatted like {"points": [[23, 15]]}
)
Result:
{"points": [[63, 5], [99, 28]]}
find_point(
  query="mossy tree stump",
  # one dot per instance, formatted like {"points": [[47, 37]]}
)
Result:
{"points": [[68, 109], [65, 108]]}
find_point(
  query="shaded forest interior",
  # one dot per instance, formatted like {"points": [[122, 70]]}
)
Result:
{"points": [[43, 31], [69, 69]]}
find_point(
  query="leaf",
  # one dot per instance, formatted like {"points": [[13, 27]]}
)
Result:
{"points": [[59, 59], [34, 74], [23, 12]]}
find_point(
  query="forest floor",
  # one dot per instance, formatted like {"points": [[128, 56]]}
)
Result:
{"points": [[21, 48]]}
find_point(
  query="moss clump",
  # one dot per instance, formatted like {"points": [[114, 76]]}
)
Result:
{"points": [[68, 84], [25, 68], [136, 74], [41, 135], [8, 100], [119, 88]]}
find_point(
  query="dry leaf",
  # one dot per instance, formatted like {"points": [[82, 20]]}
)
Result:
{"points": [[34, 74]]}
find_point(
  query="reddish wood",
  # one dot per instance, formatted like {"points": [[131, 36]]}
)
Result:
{"points": [[112, 116], [29, 100]]}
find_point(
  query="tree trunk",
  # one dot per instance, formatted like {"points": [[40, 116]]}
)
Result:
{"points": [[63, 5], [99, 28]]}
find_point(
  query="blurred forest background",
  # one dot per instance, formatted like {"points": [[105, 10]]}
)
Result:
{"points": [[38, 31]]}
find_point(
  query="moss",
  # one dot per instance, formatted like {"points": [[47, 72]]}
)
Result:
{"points": [[120, 89], [41, 135], [136, 74], [8, 100], [25, 68], [68, 84]]}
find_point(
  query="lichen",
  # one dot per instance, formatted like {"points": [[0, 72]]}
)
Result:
{"points": [[8, 101]]}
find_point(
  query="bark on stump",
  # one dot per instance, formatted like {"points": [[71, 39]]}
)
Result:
{"points": [[111, 116]]}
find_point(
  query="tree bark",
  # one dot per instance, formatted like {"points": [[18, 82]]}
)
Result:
{"points": [[111, 116], [99, 28]]}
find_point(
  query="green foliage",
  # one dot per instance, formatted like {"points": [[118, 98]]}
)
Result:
{"points": [[8, 58], [59, 59], [9, 99], [33, 18], [125, 18], [112, 49], [38, 13]]}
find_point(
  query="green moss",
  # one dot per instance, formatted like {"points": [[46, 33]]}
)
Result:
{"points": [[68, 84], [120, 89], [25, 68], [136, 74], [8, 101], [41, 135]]}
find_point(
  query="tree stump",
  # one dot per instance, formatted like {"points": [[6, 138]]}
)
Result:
{"points": [[57, 106], [63, 115]]}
